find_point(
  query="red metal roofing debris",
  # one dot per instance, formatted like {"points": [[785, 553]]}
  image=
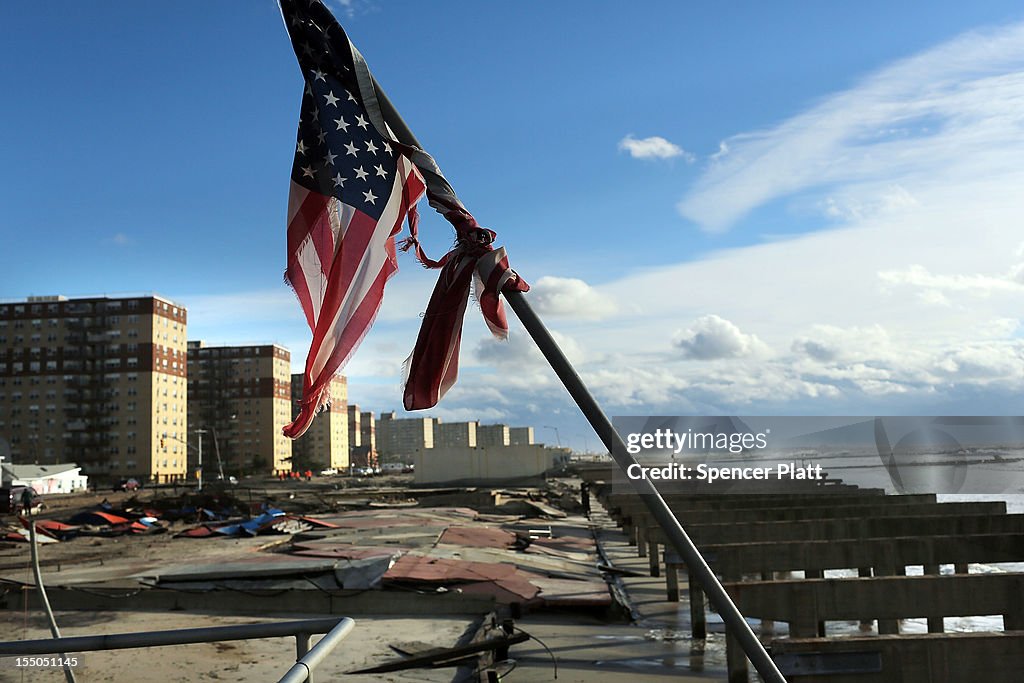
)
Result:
{"points": [[100, 517], [504, 582], [504, 591], [54, 525], [417, 568], [197, 532], [478, 537], [48, 527]]}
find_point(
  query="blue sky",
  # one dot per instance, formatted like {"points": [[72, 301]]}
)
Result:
{"points": [[760, 208]]}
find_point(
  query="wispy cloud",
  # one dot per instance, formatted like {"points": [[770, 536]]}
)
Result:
{"points": [[919, 276], [654, 147], [952, 113], [346, 8]]}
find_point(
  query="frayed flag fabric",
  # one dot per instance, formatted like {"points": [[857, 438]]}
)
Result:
{"points": [[352, 185]]}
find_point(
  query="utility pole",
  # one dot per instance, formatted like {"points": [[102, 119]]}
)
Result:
{"points": [[199, 470]]}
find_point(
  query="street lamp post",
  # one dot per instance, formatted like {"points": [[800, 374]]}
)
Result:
{"points": [[558, 439], [199, 453]]}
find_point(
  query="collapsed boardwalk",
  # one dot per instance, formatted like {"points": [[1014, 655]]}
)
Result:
{"points": [[828, 526]]}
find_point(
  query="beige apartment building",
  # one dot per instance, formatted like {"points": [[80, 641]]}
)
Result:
{"points": [[325, 443], [362, 437], [455, 434], [520, 436], [240, 397], [399, 439], [492, 435], [97, 381]]}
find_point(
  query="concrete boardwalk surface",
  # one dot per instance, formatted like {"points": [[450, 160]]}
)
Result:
{"points": [[657, 646]]}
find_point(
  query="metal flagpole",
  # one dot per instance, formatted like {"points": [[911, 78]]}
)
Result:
{"points": [[679, 539], [677, 536]]}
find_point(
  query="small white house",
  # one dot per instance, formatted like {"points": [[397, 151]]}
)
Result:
{"points": [[60, 478]]}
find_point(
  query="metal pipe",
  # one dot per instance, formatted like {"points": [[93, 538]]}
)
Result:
{"points": [[69, 675], [301, 648], [734, 621], [184, 636], [301, 645], [302, 669], [683, 544]]}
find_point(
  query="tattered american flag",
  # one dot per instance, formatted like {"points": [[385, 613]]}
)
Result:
{"points": [[352, 185]]}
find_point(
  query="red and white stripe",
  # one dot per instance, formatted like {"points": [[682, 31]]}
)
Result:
{"points": [[433, 367], [339, 261], [492, 274]]}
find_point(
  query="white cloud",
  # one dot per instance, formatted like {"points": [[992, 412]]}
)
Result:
{"points": [[919, 276], [654, 147], [985, 363], [711, 337], [865, 205], [831, 343], [521, 354], [569, 298], [818, 350], [897, 128]]}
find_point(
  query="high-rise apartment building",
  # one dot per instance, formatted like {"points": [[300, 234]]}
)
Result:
{"points": [[325, 443], [362, 438], [241, 397], [455, 434], [399, 439], [97, 381], [368, 432], [520, 436], [492, 435], [355, 435]]}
